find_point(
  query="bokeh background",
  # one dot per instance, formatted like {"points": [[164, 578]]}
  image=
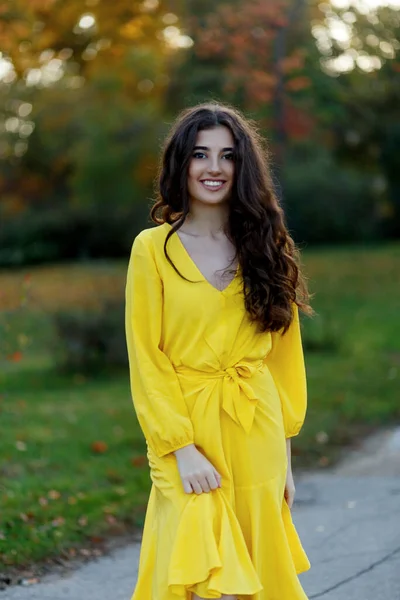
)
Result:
{"points": [[88, 91]]}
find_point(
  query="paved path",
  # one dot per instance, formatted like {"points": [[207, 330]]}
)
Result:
{"points": [[348, 519], [349, 522]]}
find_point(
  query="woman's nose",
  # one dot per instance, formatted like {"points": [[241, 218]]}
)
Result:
{"points": [[214, 167]]}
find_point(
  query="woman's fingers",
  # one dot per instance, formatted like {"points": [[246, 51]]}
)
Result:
{"points": [[205, 486], [205, 483], [187, 486], [197, 473], [214, 480], [196, 486]]}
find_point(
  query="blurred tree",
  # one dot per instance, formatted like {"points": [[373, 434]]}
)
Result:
{"points": [[258, 56], [48, 39], [306, 70], [83, 99], [87, 91], [359, 48], [83, 90], [235, 51]]}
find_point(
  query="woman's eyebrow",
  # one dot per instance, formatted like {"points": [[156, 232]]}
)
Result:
{"points": [[206, 148]]}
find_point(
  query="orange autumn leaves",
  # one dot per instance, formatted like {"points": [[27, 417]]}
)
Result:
{"points": [[242, 38], [30, 29]]}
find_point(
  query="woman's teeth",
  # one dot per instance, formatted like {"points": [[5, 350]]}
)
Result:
{"points": [[213, 185]]}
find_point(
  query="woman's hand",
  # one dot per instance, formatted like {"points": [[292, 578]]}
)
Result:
{"points": [[197, 473], [290, 490]]}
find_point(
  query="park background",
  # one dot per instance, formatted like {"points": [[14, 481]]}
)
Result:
{"points": [[88, 91]]}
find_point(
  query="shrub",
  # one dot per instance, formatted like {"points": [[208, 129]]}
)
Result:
{"points": [[325, 201], [88, 342], [320, 335], [66, 233]]}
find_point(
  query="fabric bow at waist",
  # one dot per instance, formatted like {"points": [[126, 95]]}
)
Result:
{"points": [[238, 397]]}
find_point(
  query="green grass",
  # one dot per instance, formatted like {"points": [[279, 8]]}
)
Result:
{"points": [[73, 459], [353, 378], [73, 463]]}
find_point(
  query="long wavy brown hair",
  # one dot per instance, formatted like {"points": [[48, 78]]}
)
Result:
{"points": [[266, 253]]}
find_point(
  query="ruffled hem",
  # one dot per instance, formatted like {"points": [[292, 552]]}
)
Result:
{"points": [[300, 559], [209, 555], [211, 549], [276, 549]]}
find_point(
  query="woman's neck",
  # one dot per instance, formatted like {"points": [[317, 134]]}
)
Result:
{"points": [[206, 220]]}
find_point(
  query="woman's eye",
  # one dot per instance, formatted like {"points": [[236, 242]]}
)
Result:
{"points": [[200, 154]]}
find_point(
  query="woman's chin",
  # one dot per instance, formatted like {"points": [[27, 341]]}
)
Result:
{"points": [[210, 199]]}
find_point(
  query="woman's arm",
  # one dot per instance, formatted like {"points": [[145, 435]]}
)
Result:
{"points": [[290, 489], [289, 452], [286, 364], [156, 393]]}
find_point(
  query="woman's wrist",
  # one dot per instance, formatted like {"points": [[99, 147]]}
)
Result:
{"points": [[289, 451], [183, 449]]}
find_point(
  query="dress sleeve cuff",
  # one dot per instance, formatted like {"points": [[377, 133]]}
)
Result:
{"points": [[294, 430], [168, 448]]}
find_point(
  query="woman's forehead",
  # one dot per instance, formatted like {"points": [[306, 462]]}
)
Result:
{"points": [[216, 137]]}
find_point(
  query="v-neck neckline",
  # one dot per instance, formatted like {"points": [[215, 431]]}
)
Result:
{"points": [[193, 264]]}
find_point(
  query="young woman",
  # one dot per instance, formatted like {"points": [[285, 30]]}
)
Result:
{"points": [[216, 368]]}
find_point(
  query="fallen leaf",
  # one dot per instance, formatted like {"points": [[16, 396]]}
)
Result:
{"points": [[139, 461], [99, 447], [96, 539], [15, 356], [54, 494]]}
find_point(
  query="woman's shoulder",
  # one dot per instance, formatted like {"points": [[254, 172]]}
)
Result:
{"points": [[152, 237], [148, 247]]}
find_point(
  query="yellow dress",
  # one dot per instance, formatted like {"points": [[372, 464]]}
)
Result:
{"points": [[200, 373]]}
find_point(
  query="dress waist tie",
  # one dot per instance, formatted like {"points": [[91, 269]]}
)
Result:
{"points": [[238, 397]]}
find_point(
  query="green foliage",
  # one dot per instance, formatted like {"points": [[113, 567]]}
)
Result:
{"points": [[325, 202], [115, 158], [90, 341], [90, 137], [70, 233], [321, 335]]}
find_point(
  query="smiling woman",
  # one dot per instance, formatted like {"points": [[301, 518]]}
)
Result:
{"points": [[217, 370], [211, 166]]}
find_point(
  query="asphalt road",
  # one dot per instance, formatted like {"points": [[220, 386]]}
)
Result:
{"points": [[348, 519]]}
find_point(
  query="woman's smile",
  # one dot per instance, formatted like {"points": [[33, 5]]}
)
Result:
{"points": [[212, 185]]}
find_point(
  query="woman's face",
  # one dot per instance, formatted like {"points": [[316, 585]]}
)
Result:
{"points": [[211, 169]]}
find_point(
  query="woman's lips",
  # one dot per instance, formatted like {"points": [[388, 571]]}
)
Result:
{"points": [[213, 188]]}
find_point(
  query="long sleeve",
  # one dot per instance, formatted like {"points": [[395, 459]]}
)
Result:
{"points": [[286, 364], [155, 389]]}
